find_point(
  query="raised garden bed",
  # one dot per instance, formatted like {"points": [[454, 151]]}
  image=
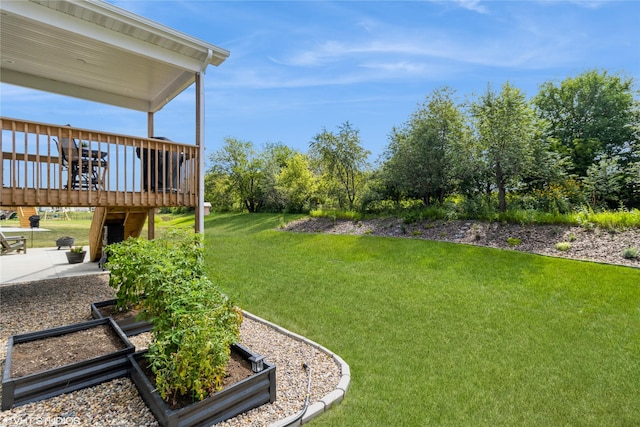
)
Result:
{"points": [[18, 389], [248, 393], [126, 319]]}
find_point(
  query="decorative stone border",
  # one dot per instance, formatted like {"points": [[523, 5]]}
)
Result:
{"points": [[327, 401]]}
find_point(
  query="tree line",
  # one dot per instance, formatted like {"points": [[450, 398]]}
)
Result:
{"points": [[576, 143]]}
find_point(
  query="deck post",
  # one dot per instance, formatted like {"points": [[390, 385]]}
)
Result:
{"points": [[199, 226], [151, 224]]}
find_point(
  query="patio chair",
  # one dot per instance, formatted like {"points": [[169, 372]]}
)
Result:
{"points": [[12, 243], [83, 165]]}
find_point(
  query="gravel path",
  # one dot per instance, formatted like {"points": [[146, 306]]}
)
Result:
{"points": [[39, 305]]}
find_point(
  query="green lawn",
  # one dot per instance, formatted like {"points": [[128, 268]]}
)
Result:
{"points": [[79, 226], [444, 334]]}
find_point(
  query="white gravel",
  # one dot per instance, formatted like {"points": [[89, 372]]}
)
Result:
{"points": [[39, 305]]}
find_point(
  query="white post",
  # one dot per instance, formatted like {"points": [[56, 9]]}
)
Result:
{"points": [[200, 143]]}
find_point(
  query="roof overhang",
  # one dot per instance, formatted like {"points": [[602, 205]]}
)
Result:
{"points": [[93, 50]]}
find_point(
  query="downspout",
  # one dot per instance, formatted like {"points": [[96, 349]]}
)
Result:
{"points": [[200, 141]]}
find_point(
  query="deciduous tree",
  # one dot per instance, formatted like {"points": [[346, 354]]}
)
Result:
{"points": [[589, 116], [504, 125], [239, 162], [342, 160]]}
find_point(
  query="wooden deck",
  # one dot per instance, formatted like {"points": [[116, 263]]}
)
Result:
{"points": [[124, 178], [110, 169]]}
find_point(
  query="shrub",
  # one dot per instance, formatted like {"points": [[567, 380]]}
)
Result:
{"points": [[194, 324], [563, 246], [631, 253], [513, 241], [194, 327], [609, 220], [137, 266]]}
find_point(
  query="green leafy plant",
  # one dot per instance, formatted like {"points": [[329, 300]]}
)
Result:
{"points": [[563, 246], [631, 253], [513, 241], [138, 266], [194, 327], [476, 232], [77, 249], [194, 324], [572, 237]]}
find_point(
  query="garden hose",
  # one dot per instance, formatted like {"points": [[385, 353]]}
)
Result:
{"points": [[297, 420]]}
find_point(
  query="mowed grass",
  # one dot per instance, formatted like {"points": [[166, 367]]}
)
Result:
{"points": [[79, 227], [444, 334]]}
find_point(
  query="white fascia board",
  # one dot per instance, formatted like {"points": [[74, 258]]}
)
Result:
{"points": [[219, 54], [46, 16]]}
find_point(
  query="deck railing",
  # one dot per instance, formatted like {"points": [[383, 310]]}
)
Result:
{"points": [[50, 165]]}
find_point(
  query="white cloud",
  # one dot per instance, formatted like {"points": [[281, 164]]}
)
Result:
{"points": [[473, 5]]}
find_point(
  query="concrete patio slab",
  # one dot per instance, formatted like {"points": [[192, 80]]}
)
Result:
{"points": [[42, 264]]}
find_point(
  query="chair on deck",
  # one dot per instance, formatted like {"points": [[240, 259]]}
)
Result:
{"points": [[83, 165], [13, 243]]}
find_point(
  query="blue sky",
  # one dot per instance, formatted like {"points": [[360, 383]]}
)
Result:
{"points": [[297, 67]]}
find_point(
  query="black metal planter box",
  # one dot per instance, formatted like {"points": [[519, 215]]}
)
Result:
{"points": [[227, 403], [64, 379], [129, 326]]}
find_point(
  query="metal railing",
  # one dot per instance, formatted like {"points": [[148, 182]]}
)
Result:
{"points": [[50, 165]]}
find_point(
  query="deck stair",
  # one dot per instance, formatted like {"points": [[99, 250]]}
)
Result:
{"points": [[24, 213], [133, 220]]}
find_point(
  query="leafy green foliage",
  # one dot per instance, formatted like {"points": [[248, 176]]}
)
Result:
{"points": [[563, 246], [604, 182], [238, 162], [424, 157], [342, 162], [631, 253], [513, 241], [194, 324], [577, 143], [194, 327], [609, 220], [506, 133], [138, 266], [589, 116], [295, 184]]}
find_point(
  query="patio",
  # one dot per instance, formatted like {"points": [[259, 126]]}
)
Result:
{"points": [[42, 264]]}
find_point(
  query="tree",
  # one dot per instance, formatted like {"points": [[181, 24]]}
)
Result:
{"points": [[218, 191], [391, 176], [238, 161], [342, 161], [274, 158], [589, 116], [296, 183], [604, 181], [504, 124], [422, 157]]}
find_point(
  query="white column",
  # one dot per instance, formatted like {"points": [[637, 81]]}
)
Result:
{"points": [[200, 143]]}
